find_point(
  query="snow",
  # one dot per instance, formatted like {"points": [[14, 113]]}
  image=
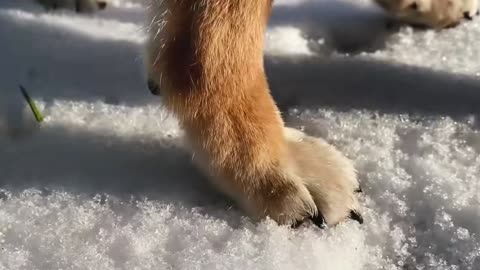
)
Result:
{"points": [[104, 182]]}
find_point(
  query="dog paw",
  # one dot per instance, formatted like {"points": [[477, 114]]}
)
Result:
{"points": [[329, 177]]}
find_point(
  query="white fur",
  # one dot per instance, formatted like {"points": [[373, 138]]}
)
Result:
{"points": [[327, 174]]}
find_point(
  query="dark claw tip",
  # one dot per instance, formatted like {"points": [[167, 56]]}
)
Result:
{"points": [[153, 87], [358, 190], [467, 16], [319, 220], [356, 216], [102, 4]]}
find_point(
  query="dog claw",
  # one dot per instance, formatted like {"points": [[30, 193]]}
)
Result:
{"points": [[153, 87], [467, 16], [356, 216], [319, 220], [102, 4]]}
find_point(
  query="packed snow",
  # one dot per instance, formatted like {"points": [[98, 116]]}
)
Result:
{"points": [[104, 182]]}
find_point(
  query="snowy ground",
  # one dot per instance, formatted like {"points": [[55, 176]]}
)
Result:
{"points": [[104, 184]]}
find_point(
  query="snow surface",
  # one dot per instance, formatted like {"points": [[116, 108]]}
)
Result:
{"points": [[104, 182]]}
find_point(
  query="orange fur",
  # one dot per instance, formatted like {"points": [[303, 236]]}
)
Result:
{"points": [[207, 57]]}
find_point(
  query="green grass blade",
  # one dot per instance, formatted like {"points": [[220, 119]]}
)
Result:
{"points": [[32, 105]]}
